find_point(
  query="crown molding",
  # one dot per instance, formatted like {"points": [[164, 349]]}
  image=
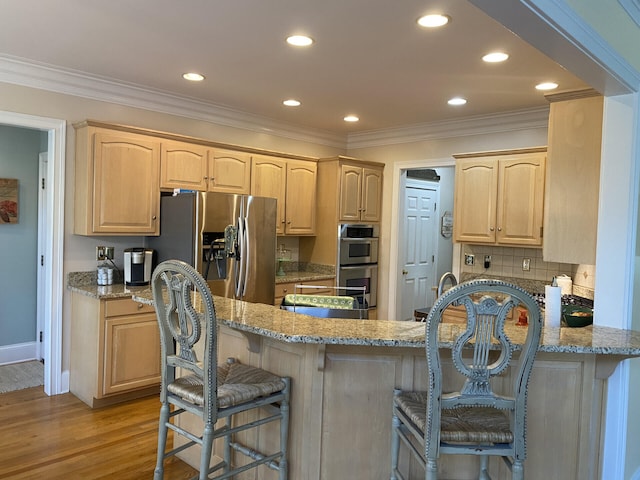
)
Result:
{"points": [[27, 73], [632, 7], [476, 125]]}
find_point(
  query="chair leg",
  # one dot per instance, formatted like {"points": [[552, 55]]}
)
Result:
{"points": [[284, 431], [517, 470], [431, 470], [227, 447], [484, 468], [158, 473], [395, 445], [207, 447]]}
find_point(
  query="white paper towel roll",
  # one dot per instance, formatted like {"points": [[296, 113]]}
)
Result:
{"points": [[552, 306], [565, 283]]}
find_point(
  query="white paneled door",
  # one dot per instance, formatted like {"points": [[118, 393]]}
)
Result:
{"points": [[419, 250]]}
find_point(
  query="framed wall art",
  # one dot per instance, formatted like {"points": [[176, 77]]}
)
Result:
{"points": [[8, 200]]}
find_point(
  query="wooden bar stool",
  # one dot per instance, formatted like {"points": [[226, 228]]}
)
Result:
{"points": [[185, 311], [474, 420]]}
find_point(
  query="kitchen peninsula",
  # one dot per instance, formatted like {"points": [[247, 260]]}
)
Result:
{"points": [[344, 373]]}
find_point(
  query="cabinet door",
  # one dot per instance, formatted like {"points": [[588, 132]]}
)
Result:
{"points": [[476, 183], [371, 194], [300, 199], [126, 195], [350, 193], [229, 171], [520, 199], [183, 165], [132, 353], [573, 181], [269, 179]]}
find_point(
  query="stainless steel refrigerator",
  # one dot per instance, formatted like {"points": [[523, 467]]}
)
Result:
{"points": [[230, 239]]}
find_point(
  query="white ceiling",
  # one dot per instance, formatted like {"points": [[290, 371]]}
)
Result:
{"points": [[370, 57]]}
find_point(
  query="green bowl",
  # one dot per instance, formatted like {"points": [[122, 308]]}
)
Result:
{"points": [[576, 316]]}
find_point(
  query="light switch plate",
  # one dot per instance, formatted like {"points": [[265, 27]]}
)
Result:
{"points": [[526, 264]]}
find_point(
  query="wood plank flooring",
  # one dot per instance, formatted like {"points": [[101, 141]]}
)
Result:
{"points": [[60, 437]]}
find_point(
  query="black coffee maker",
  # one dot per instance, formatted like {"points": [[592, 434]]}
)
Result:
{"points": [[138, 266]]}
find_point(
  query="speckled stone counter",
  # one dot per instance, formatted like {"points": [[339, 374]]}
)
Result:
{"points": [[84, 283], [285, 326]]}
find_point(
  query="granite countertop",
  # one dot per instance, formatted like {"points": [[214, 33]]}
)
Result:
{"points": [[290, 327]]}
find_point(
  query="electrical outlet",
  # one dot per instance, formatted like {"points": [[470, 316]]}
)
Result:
{"points": [[526, 264], [487, 261], [468, 259], [104, 253]]}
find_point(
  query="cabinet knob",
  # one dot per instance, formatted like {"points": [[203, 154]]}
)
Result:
{"points": [[154, 217], [140, 306], [499, 229], [491, 229], [206, 178]]}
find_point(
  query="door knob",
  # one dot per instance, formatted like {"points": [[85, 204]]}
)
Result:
{"points": [[404, 272]]}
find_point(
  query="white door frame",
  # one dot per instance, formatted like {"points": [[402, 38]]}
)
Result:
{"points": [[42, 245], [397, 199], [53, 245]]}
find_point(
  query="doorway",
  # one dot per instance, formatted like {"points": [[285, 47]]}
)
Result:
{"points": [[418, 248], [52, 239]]}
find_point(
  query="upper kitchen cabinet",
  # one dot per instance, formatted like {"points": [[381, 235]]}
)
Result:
{"points": [[196, 167], [229, 171], [573, 177], [499, 197], [293, 184], [360, 193], [117, 182], [183, 165]]}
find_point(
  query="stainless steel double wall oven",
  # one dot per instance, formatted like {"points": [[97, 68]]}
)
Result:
{"points": [[358, 261]]}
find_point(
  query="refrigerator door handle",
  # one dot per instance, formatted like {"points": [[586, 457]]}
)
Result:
{"points": [[247, 257], [240, 262]]}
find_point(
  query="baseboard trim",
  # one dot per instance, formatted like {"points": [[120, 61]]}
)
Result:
{"points": [[19, 352]]}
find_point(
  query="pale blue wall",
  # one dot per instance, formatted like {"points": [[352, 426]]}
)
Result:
{"points": [[19, 149]]}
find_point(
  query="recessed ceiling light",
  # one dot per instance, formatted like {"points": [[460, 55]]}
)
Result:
{"points": [[351, 118], [291, 103], [546, 86], [433, 21], [457, 101], [299, 40], [193, 77], [495, 57]]}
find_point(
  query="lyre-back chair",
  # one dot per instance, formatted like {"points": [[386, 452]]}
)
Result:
{"points": [[475, 420], [185, 311]]}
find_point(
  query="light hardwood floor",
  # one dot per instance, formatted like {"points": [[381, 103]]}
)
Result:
{"points": [[60, 437]]}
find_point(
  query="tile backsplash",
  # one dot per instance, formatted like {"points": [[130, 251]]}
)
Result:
{"points": [[507, 262]]}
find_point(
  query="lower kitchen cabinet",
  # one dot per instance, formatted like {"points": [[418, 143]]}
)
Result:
{"points": [[115, 350]]}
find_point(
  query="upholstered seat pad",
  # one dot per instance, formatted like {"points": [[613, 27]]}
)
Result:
{"points": [[459, 425], [237, 383]]}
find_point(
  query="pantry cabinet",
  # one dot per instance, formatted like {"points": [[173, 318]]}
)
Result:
{"points": [[573, 177], [115, 350], [293, 184], [499, 197], [196, 167], [360, 193], [117, 187]]}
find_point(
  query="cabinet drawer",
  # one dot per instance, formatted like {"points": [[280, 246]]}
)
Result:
{"points": [[125, 306]]}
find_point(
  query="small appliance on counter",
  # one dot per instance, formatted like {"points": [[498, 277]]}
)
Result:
{"points": [[138, 266]]}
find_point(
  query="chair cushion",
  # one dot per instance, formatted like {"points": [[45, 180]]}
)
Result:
{"points": [[459, 425], [237, 383]]}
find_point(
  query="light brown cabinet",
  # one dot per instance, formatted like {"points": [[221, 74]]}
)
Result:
{"points": [[196, 167], [293, 184], [115, 350], [573, 177], [499, 197], [117, 185], [360, 193]]}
